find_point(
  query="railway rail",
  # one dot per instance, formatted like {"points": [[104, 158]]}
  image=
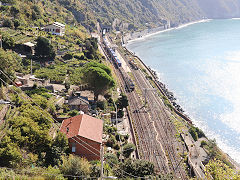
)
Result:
{"points": [[164, 126], [155, 132]]}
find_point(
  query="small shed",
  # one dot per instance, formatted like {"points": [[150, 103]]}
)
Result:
{"points": [[79, 103]]}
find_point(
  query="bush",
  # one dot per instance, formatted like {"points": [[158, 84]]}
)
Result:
{"points": [[111, 159], [8, 42], [116, 146], [76, 166], [126, 137], [203, 143], [120, 113], [196, 133], [16, 23], [199, 132], [68, 56], [128, 149], [111, 141], [73, 113], [193, 132], [139, 168], [101, 105]]}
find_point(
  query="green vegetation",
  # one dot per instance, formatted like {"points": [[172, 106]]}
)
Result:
{"points": [[75, 166], [196, 133], [30, 141], [122, 101], [10, 62], [128, 149], [44, 50], [216, 169], [215, 153], [203, 143], [137, 168], [98, 78]]}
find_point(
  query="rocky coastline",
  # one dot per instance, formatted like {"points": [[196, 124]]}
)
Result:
{"points": [[167, 92]]}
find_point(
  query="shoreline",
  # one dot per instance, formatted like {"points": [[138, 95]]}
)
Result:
{"points": [[180, 114], [165, 92], [162, 87], [138, 36]]}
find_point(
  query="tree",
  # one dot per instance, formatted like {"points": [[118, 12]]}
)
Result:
{"points": [[16, 23], [111, 159], [40, 100], [128, 149], [14, 10], [122, 101], [8, 42], [10, 62], [91, 46], [10, 154], [137, 168], [7, 23], [44, 49], [102, 66], [98, 79], [58, 149], [95, 168]]}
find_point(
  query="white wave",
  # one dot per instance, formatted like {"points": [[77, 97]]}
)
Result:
{"points": [[166, 30], [235, 19], [191, 23]]}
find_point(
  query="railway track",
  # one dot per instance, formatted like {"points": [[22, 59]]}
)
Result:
{"points": [[155, 132], [149, 149], [164, 126]]}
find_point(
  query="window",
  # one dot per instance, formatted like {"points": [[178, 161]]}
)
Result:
{"points": [[73, 147], [67, 129]]}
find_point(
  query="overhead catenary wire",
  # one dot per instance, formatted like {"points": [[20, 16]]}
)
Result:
{"points": [[55, 121]]}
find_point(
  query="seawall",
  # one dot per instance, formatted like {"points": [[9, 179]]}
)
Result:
{"points": [[159, 88]]}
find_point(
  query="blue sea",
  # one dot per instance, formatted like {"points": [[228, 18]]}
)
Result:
{"points": [[200, 64]]}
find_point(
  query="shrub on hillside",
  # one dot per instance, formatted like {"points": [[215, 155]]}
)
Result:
{"points": [[7, 23], [203, 143], [193, 132]]}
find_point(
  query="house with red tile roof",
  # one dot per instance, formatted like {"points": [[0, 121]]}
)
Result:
{"points": [[87, 131]]}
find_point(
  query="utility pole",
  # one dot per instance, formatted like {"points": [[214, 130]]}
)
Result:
{"points": [[1, 41], [31, 67], [101, 176]]}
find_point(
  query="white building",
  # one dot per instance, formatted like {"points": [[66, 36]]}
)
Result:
{"points": [[56, 28]]}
